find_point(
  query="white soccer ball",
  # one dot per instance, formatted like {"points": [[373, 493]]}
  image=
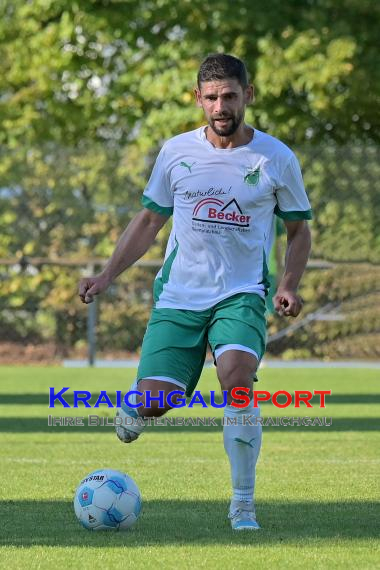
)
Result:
{"points": [[107, 499]]}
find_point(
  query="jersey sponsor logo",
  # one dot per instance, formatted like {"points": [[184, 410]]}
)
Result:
{"points": [[186, 165], [213, 210], [212, 191], [252, 176]]}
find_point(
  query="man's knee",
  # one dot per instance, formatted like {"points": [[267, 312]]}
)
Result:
{"points": [[236, 369], [236, 365], [154, 398]]}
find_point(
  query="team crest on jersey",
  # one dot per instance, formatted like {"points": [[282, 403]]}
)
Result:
{"points": [[252, 176]]}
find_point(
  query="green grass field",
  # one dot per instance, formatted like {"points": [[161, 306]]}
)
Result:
{"points": [[317, 487]]}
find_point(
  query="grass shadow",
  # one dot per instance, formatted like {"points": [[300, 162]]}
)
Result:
{"points": [[165, 522]]}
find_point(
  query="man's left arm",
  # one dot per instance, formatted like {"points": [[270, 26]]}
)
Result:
{"points": [[287, 301]]}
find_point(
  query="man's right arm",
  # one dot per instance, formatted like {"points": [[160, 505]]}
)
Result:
{"points": [[133, 243]]}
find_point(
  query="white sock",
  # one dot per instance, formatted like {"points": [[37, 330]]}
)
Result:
{"points": [[242, 443], [127, 431], [132, 399]]}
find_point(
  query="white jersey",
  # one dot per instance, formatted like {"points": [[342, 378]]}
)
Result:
{"points": [[223, 203]]}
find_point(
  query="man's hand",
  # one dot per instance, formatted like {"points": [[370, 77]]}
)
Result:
{"points": [[287, 303], [90, 286], [136, 239]]}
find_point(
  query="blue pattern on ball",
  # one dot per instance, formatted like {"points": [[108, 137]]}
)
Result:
{"points": [[101, 505], [117, 485], [114, 516]]}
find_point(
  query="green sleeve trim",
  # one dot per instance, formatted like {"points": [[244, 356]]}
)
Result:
{"points": [[148, 203], [294, 216]]}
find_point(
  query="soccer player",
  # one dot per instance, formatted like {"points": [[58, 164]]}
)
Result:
{"points": [[224, 183]]}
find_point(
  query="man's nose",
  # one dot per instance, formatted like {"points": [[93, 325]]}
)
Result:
{"points": [[219, 106]]}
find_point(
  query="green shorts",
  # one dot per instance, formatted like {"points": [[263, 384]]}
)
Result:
{"points": [[175, 342]]}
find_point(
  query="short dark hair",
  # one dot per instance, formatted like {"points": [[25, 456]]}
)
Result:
{"points": [[219, 66]]}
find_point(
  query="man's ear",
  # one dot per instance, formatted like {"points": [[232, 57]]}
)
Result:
{"points": [[198, 97], [249, 94]]}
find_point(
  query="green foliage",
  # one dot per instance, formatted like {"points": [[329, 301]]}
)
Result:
{"points": [[124, 311], [102, 70], [343, 183], [90, 89], [352, 294]]}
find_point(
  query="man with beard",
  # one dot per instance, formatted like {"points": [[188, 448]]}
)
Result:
{"points": [[224, 183]]}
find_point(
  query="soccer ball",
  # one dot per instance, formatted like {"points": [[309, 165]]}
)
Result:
{"points": [[107, 499]]}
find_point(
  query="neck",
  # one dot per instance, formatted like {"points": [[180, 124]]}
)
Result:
{"points": [[242, 136]]}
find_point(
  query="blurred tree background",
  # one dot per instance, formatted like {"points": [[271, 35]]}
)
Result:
{"points": [[89, 90]]}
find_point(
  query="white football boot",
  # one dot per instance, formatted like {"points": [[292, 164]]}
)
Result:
{"points": [[242, 516]]}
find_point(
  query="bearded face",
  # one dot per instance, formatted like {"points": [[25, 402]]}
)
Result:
{"points": [[223, 103]]}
